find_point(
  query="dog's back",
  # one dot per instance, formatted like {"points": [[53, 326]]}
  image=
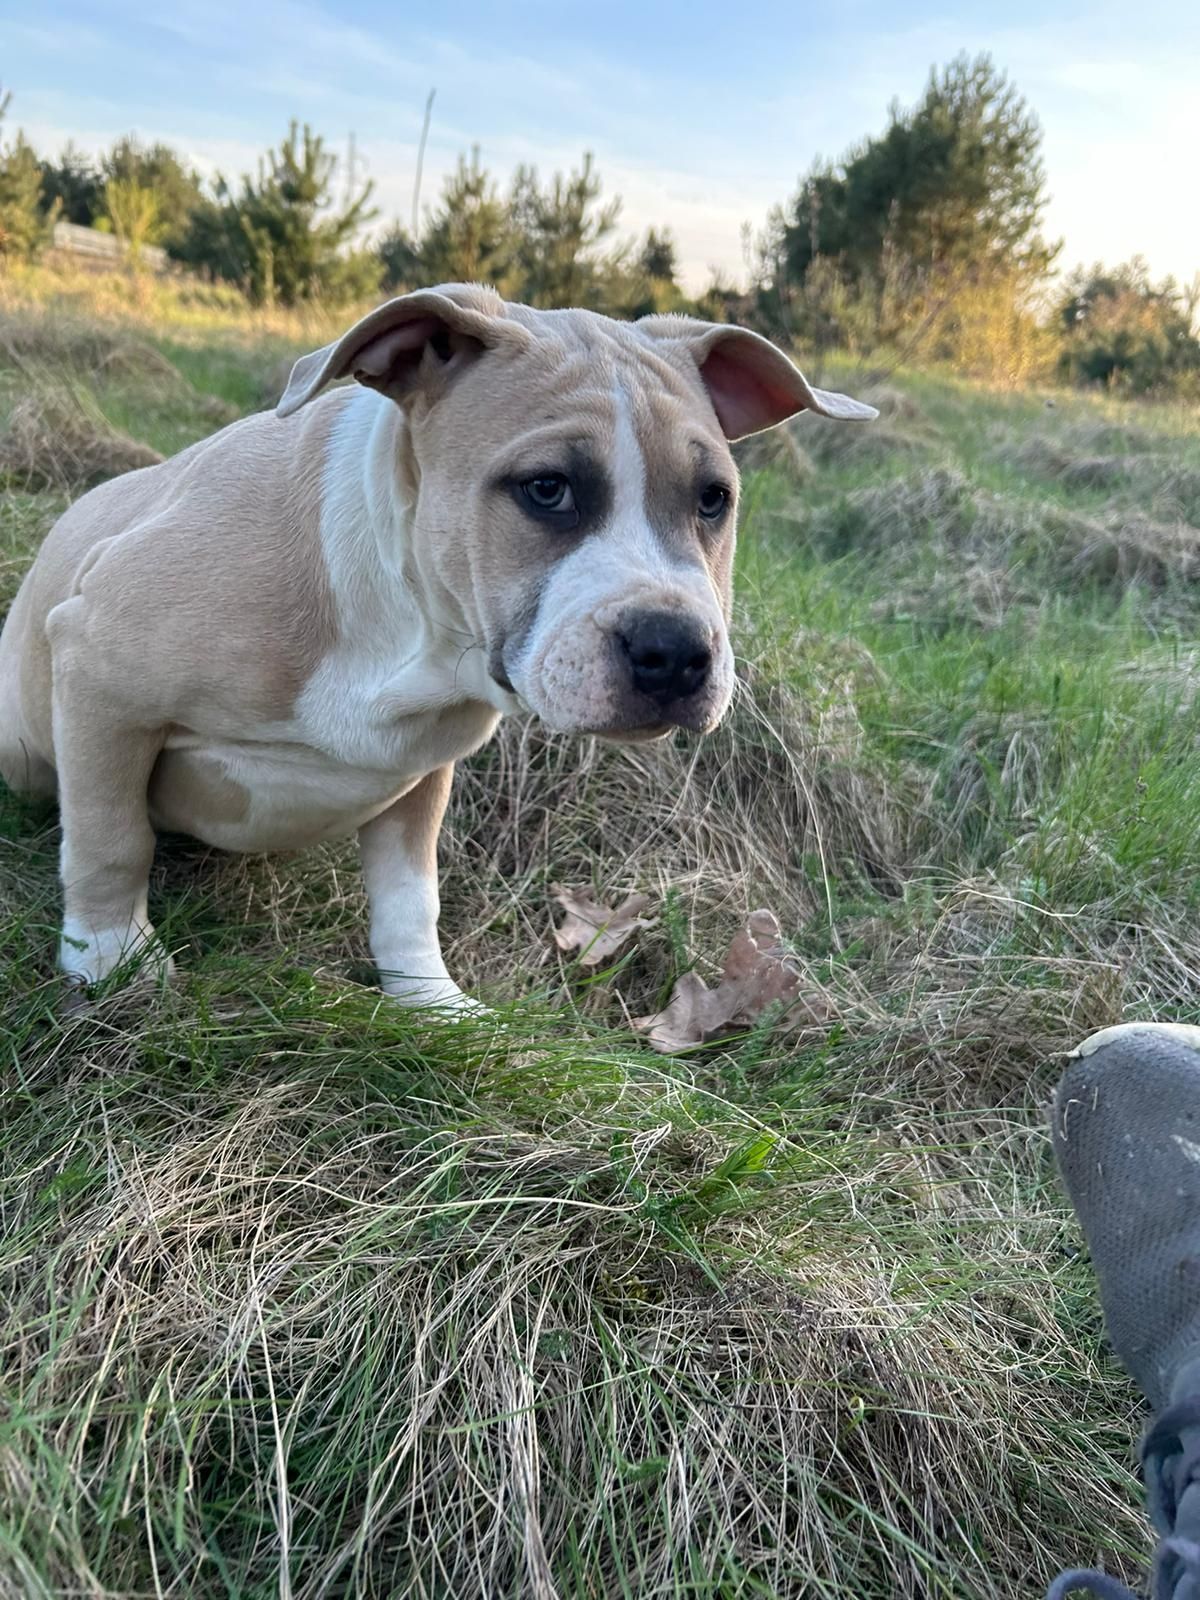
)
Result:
{"points": [[255, 483]]}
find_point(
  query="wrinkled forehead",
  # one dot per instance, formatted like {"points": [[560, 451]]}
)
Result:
{"points": [[588, 386]]}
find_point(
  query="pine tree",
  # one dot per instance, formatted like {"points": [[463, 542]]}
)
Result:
{"points": [[658, 258], [956, 182], [132, 209], [296, 240], [23, 225], [73, 185], [558, 230], [470, 237], [157, 168]]}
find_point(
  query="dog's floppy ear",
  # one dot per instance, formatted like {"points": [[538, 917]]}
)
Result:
{"points": [[428, 331], [750, 382]]}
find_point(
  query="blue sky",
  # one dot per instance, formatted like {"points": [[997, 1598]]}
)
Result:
{"points": [[700, 115]]}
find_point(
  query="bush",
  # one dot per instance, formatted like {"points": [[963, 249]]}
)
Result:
{"points": [[1126, 332], [985, 325]]}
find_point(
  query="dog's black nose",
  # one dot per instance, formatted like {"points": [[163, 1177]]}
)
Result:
{"points": [[669, 655]]}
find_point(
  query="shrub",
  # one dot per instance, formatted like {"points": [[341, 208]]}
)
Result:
{"points": [[1127, 332]]}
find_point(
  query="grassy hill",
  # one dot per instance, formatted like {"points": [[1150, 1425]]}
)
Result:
{"points": [[300, 1296]]}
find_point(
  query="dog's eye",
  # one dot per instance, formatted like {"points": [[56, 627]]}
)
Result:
{"points": [[550, 491], [713, 501]]}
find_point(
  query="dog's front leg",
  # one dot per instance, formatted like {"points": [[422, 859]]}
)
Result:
{"points": [[399, 859], [104, 766]]}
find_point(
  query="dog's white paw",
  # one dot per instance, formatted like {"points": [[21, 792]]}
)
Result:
{"points": [[435, 993], [88, 954]]}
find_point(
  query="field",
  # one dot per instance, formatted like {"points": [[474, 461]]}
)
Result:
{"points": [[304, 1296]]}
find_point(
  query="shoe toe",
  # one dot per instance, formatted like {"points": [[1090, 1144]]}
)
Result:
{"points": [[1126, 1128]]}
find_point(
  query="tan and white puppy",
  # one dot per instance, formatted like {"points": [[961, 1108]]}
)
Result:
{"points": [[292, 630]]}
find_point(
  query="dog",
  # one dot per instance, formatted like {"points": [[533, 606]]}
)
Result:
{"points": [[292, 630]]}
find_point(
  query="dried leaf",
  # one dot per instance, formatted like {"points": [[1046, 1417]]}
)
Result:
{"points": [[758, 973], [595, 930]]}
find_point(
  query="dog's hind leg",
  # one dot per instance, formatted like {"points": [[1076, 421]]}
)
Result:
{"points": [[399, 859], [23, 767]]}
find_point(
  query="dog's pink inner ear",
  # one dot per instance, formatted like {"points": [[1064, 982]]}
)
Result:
{"points": [[382, 359], [748, 390]]}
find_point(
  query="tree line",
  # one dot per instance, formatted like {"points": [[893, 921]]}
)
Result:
{"points": [[292, 232], [925, 240]]}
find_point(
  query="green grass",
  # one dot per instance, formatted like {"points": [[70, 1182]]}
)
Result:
{"points": [[303, 1296]]}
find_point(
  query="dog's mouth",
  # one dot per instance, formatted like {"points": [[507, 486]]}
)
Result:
{"points": [[694, 720], [646, 735]]}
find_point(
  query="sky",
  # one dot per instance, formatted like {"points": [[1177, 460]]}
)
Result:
{"points": [[702, 116]]}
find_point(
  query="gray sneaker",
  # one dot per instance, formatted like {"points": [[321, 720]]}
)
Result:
{"points": [[1126, 1127]]}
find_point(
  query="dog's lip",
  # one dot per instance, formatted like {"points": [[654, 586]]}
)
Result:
{"points": [[644, 734], [506, 697]]}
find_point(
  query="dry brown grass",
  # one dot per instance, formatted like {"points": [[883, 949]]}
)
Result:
{"points": [[958, 549], [1060, 460], [55, 440], [59, 381], [807, 443], [756, 814], [39, 344], [183, 306], [44, 352]]}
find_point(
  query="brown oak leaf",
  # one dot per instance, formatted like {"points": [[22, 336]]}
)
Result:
{"points": [[597, 931], [758, 972]]}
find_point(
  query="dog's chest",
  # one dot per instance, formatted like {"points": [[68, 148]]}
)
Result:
{"points": [[400, 720], [321, 777]]}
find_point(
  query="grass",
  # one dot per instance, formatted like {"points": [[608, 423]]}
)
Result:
{"points": [[300, 1296]]}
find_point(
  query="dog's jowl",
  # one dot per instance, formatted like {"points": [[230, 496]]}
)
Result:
{"points": [[291, 631]]}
